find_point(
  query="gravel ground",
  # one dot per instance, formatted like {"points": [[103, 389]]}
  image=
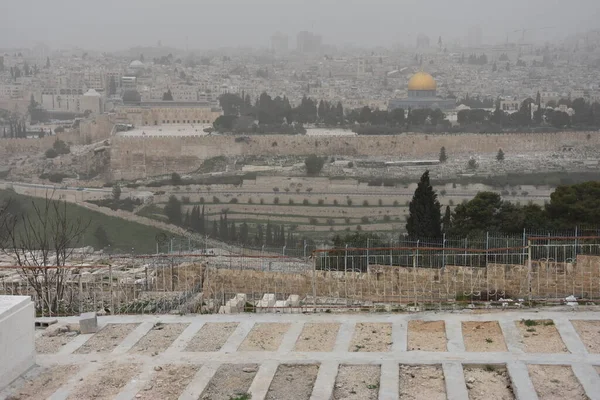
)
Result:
{"points": [[106, 383], [556, 382], [317, 337], [44, 382], [229, 381], [540, 338], [483, 336], [212, 336], [293, 382], [372, 337], [422, 382], [490, 382], [54, 337], [589, 332], [360, 382], [264, 337], [159, 338], [106, 339], [427, 336], [51, 345], [168, 382]]}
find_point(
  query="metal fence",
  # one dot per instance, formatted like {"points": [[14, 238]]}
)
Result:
{"points": [[544, 268]]}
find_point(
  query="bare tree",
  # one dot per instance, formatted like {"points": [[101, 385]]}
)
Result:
{"points": [[42, 241]]}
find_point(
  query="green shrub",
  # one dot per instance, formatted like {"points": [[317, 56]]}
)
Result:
{"points": [[51, 153]]}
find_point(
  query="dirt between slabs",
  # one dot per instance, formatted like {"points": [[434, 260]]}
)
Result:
{"points": [[357, 382], [427, 336], [540, 336], [422, 382], [293, 382], [168, 382], [55, 337], [211, 337], [230, 381], [106, 339], [372, 337], [106, 382], [264, 337], [489, 382], [158, 339], [483, 336], [41, 383], [317, 337], [556, 382], [589, 332]]}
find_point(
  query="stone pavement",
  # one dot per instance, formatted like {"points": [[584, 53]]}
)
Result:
{"points": [[515, 359]]}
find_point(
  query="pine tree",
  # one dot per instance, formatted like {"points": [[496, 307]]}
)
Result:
{"points": [[424, 219], [101, 237], [500, 155], [443, 156], [173, 210]]}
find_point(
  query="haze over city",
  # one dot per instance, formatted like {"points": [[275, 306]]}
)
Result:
{"points": [[116, 25]]}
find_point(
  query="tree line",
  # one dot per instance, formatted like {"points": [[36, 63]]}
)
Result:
{"points": [[196, 220], [569, 206]]}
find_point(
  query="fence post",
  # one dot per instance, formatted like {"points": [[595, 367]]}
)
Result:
{"points": [[487, 246], [367, 256], [529, 270], [110, 282], [314, 288], [283, 251], [444, 252], [576, 244], [305, 249], [346, 261], [391, 251]]}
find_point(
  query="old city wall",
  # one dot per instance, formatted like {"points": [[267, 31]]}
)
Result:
{"points": [[135, 157], [13, 147], [95, 130], [399, 284]]}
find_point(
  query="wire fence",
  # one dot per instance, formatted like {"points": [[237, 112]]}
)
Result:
{"points": [[194, 280]]}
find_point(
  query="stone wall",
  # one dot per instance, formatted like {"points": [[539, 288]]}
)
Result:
{"points": [[95, 130], [135, 157], [13, 147], [400, 284]]}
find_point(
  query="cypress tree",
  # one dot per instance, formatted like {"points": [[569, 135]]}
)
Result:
{"points": [[215, 230], [424, 219], [447, 220]]}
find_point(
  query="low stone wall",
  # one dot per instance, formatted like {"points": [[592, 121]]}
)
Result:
{"points": [[402, 284]]}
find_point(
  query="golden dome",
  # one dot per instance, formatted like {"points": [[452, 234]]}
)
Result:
{"points": [[422, 81]]}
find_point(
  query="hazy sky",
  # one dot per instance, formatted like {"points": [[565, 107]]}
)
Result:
{"points": [[118, 24]]}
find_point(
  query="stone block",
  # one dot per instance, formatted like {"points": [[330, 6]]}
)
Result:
{"points": [[294, 300], [88, 323]]}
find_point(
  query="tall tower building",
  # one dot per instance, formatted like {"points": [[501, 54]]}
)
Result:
{"points": [[279, 43]]}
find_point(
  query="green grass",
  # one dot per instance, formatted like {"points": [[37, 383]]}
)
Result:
{"points": [[529, 322], [124, 235]]}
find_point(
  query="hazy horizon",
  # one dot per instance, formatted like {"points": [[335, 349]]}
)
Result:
{"points": [[209, 24]]}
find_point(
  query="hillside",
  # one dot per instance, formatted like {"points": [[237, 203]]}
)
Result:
{"points": [[124, 236]]}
